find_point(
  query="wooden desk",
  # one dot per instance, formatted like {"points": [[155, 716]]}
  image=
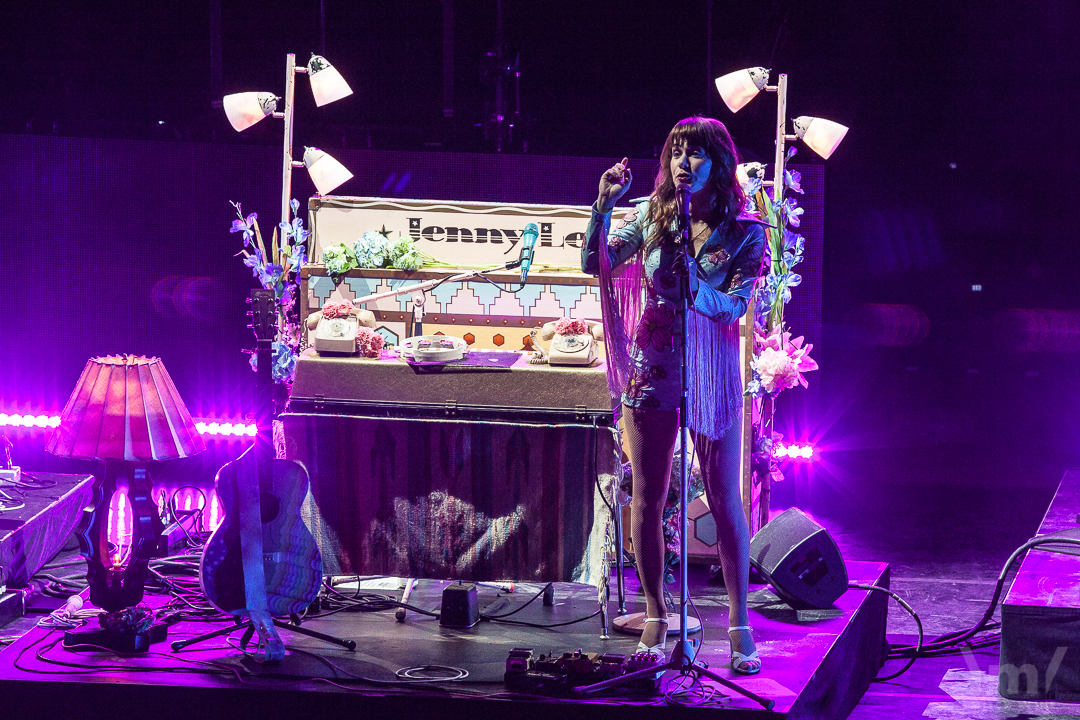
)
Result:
{"points": [[456, 475]]}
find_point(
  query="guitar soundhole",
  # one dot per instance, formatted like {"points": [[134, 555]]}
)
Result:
{"points": [[271, 507]]}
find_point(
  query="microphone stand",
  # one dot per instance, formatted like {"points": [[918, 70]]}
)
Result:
{"points": [[682, 655]]}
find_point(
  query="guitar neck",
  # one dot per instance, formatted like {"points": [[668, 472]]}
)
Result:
{"points": [[263, 398]]}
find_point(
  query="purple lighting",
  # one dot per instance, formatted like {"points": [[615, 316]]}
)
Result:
{"points": [[29, 421], [238, 429], [207, 427], [794, 452]]}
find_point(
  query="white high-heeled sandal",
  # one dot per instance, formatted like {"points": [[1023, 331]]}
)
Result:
{"points": [[745, 664], [657, 649]]}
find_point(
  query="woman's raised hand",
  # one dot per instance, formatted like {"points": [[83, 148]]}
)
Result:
{"points": [[613, 185]]}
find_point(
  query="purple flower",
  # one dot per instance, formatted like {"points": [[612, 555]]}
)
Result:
{"points": [[246, 226]]}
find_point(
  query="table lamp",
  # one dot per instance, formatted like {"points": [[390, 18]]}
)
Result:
{"points": [[124, 411]]}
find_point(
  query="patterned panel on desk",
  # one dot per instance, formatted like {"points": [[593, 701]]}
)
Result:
{"points": [[588, 306], [476, 299]]}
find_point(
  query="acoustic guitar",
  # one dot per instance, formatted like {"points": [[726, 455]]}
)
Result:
{"points": [[262, 561]]}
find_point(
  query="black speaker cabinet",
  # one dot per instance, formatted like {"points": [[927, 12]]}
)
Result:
{"points": [[800, 560]]}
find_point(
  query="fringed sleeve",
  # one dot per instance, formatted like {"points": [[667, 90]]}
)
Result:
{"points": [[622, 287]]}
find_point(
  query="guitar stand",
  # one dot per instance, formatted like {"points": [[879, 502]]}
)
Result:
{"points": [[249, 631]]}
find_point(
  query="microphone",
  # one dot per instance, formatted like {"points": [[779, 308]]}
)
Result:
{"points": [[682, 193], [529, 236]]}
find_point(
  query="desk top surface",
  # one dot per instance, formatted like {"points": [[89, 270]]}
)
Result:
{"points": [[390, 379]]}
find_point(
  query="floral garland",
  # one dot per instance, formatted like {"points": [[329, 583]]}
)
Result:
{"points": [[778, 361], [374, 249], [277, 270]]}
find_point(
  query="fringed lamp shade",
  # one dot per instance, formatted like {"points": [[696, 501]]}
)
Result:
{"points": [[125, 408]]}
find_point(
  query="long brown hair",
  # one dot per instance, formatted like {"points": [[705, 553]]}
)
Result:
{"points": [[712, 137]]}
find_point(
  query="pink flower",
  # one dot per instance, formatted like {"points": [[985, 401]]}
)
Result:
{"points": [[777, 374], [776, 370], [566, 326], [336, 310], [655, 328], [369, 342]]}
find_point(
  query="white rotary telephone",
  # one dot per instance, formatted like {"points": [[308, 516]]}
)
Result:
{"points": [[338, 334], [572, 348]]}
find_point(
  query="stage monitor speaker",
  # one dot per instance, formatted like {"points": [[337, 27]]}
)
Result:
{"points": [[800, 560]]}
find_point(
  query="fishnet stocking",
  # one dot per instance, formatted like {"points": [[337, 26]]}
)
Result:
{"points": [[650, 442]]}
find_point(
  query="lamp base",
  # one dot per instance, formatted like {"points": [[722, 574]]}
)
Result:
{"points": [[634, 623], [119, 642]]}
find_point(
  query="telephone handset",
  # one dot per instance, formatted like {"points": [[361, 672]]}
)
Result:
{"points": [[573, 342]]}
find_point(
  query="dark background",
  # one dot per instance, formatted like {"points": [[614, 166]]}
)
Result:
{"points": [[957, 171]]}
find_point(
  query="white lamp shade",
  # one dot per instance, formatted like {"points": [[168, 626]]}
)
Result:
{"points": [[821, 136], [247, 108], [740, 87], [326, 172], [327, 85]]}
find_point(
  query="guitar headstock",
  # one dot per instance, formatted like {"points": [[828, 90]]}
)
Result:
{"points": [[263, 314]]}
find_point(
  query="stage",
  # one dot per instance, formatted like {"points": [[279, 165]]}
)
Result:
{"points": [[817, 663]]}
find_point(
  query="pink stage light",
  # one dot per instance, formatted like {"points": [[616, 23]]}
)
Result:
{"points": [[29, 421], [794, 452], [210, 428]]}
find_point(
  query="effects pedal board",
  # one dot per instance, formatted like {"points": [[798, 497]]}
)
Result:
{"points": [[558, 675]]}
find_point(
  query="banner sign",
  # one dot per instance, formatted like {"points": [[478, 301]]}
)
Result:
{"points": [[463, 234]]}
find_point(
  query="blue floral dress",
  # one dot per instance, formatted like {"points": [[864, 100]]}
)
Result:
{"points": [[725, 270]]}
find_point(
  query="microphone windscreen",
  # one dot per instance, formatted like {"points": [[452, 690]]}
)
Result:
{"points": [[530, 234]]}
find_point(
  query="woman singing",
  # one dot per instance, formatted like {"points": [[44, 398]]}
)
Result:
{"points": [[644, 348]]}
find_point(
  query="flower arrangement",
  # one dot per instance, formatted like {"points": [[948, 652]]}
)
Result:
{"points": [[568, 326], [778, 363], [374, 249], [336, 310], [369, 342], [784, 247], [338, 259], [277, 269], [763, 461]]}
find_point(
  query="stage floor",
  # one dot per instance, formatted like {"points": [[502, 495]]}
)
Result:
{"points": [[815, 663]]}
